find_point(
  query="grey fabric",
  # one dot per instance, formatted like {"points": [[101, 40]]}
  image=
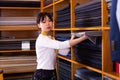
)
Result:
{"points": [[17, 21], [88, 14], [92, 35]]}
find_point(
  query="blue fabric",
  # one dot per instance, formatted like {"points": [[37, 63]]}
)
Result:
{"points": [[114, 34], [88, 14], [86, 74], [64, 70], [89, 53], [63, 17]]}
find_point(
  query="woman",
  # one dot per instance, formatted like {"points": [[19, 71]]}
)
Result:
{"points": [[45, 48]]}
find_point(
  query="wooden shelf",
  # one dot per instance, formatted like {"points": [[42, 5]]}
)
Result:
{"points": [[19, 8], [62, 29], [88, 28], [112, 75], [3, 40], [8, 51], [18, 28]]}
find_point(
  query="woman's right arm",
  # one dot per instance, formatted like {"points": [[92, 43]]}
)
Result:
{"points": [[77, 40]]}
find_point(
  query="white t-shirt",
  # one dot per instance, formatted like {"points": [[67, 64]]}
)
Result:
{"points": [[45, 51]]}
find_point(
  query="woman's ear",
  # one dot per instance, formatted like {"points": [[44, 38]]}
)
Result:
{"points": [[38, 25]]}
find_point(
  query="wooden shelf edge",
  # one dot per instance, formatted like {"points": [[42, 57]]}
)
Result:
{"points": [[112, 75], [17, 28], [27, 39], [19, 8], [80, 28], [6, 51]]}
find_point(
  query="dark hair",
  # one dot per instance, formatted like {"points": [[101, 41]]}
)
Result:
{"points": [[42, 15]]}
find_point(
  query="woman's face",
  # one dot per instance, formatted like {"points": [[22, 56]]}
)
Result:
{"points": [[46, 25]]}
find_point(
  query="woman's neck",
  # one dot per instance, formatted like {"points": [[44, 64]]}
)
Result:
{"points": [[45, 33]]}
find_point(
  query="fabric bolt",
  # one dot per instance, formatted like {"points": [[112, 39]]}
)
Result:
{"points": [[88, 14], [87, 44], [88, 22], [17, 20], [89, 53], [92, 7], [10, 45], [92, 35], [64, 70], [20, 3], [64, 10], [108, 78], [63, 35], [61, 25], [109, 4], [114, 34], [47, 2], [63, 17], [87, 5], [86, 74], [95, 13]]}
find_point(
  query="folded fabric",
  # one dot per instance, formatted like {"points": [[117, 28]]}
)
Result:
{"points": [[90, 34], [20, 3], [17, 21], [88, 5], [86, 74]]}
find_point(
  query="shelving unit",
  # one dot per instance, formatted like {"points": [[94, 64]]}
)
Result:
{"points": [[17, 61], [1, 74], [107, 64]]}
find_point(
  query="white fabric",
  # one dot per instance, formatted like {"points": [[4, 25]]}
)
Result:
{"points": [[64, 51], [45, 52], [118, 13]]}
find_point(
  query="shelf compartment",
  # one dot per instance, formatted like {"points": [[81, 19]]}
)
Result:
{"points": [[77, 63]]}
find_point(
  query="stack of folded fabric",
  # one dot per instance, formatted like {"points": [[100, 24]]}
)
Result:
{"points": [[64, 70], [88, 14], [86, 74], [20, 3], [108, 78], [17, 21], [47, 2], [89, 53], [15, 45], [62, 36], [92, 35], [63, 17], [109, 4]]}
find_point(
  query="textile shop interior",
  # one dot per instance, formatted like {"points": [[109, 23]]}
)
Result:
{"points": [[96, 58]]}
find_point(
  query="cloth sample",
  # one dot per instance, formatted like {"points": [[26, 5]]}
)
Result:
{"points": [[92, 35]]}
